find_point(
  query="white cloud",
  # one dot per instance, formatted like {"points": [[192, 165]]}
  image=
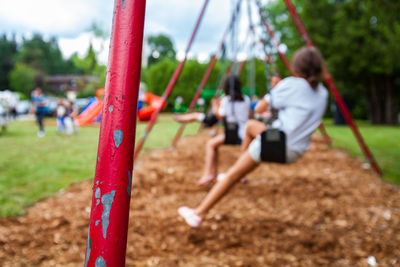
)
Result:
{"points": [[69, 20], [81, 44], [49, 16]]}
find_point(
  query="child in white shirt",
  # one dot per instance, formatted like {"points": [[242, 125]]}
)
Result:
{"points": [[234, 108], [301, 101]]}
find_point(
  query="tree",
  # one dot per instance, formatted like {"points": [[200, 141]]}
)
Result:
{"points": [[359, 40], [370, 53], [160, 46], [158, 75], [22, 79], [45, 56], [86, 65], [8, 52]]}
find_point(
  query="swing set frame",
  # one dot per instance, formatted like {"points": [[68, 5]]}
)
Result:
{"points": [[107, 235]]}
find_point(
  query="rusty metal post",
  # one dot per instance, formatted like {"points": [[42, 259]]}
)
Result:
{"points": [[108, 227]]}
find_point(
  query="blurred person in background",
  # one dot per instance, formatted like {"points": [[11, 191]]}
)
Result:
{"points": [[69, 120], [39, 106], [60, 113]]}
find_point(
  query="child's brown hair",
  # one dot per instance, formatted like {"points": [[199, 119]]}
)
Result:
{"points": [[308, 64]]}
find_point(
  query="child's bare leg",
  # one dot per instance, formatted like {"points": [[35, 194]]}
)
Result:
{"points": [[253, 128], [211, 160], [214, 130], [243, 165], [189, 117]]}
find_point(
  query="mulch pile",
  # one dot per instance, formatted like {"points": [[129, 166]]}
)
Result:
{"points": [[324, 210]]}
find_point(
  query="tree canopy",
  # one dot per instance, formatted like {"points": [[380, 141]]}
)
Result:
{"points": [[359, 40], [36, 56], [8, 52], [161, 46]]}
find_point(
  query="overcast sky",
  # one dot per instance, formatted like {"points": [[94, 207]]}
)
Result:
{"points": [[69, 21]]}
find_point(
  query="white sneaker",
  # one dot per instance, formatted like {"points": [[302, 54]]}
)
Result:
{"points": [[191, 218], [41, 134]]}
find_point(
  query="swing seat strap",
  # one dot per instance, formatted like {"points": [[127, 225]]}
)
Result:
{"points": [[231, 133], [273, 146]]}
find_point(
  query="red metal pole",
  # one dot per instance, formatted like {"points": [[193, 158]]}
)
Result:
{"points": [[108, 227], [171, 83], [334, 90]]}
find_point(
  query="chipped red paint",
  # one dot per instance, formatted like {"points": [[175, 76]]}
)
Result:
{"points": [[110, 203], [331, 84]]}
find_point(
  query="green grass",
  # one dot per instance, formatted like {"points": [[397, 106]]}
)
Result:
{"points": [[383, 141], [33, 168]]}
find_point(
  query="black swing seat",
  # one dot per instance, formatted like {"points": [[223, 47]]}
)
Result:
{"points": [[231, 133], [210, 120], [273, 146]]}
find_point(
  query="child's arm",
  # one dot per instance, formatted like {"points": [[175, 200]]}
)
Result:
{"points": [[214, 105], [275, 80], [218, 109], [262, 106], [74, 113]]}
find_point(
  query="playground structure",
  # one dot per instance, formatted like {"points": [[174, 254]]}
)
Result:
{"points": [[107, 244], [93, 111], [153, 103]]}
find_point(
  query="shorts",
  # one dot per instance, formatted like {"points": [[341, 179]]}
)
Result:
{"points": [[255, 152], [209, 119]]}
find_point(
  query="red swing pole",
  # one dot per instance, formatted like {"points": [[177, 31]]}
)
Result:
{"points": [[285, 60], [329, 81], [106, 245], [171, 83], [207, 74]]}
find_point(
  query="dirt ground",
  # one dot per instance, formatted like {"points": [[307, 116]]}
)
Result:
{"points": [[324, 210]]}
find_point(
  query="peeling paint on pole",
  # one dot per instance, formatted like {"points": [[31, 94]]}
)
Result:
{"points": [[88, 249], [107, 201], [129, 189], [118, 135], [97, 195], [100, 262]]}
